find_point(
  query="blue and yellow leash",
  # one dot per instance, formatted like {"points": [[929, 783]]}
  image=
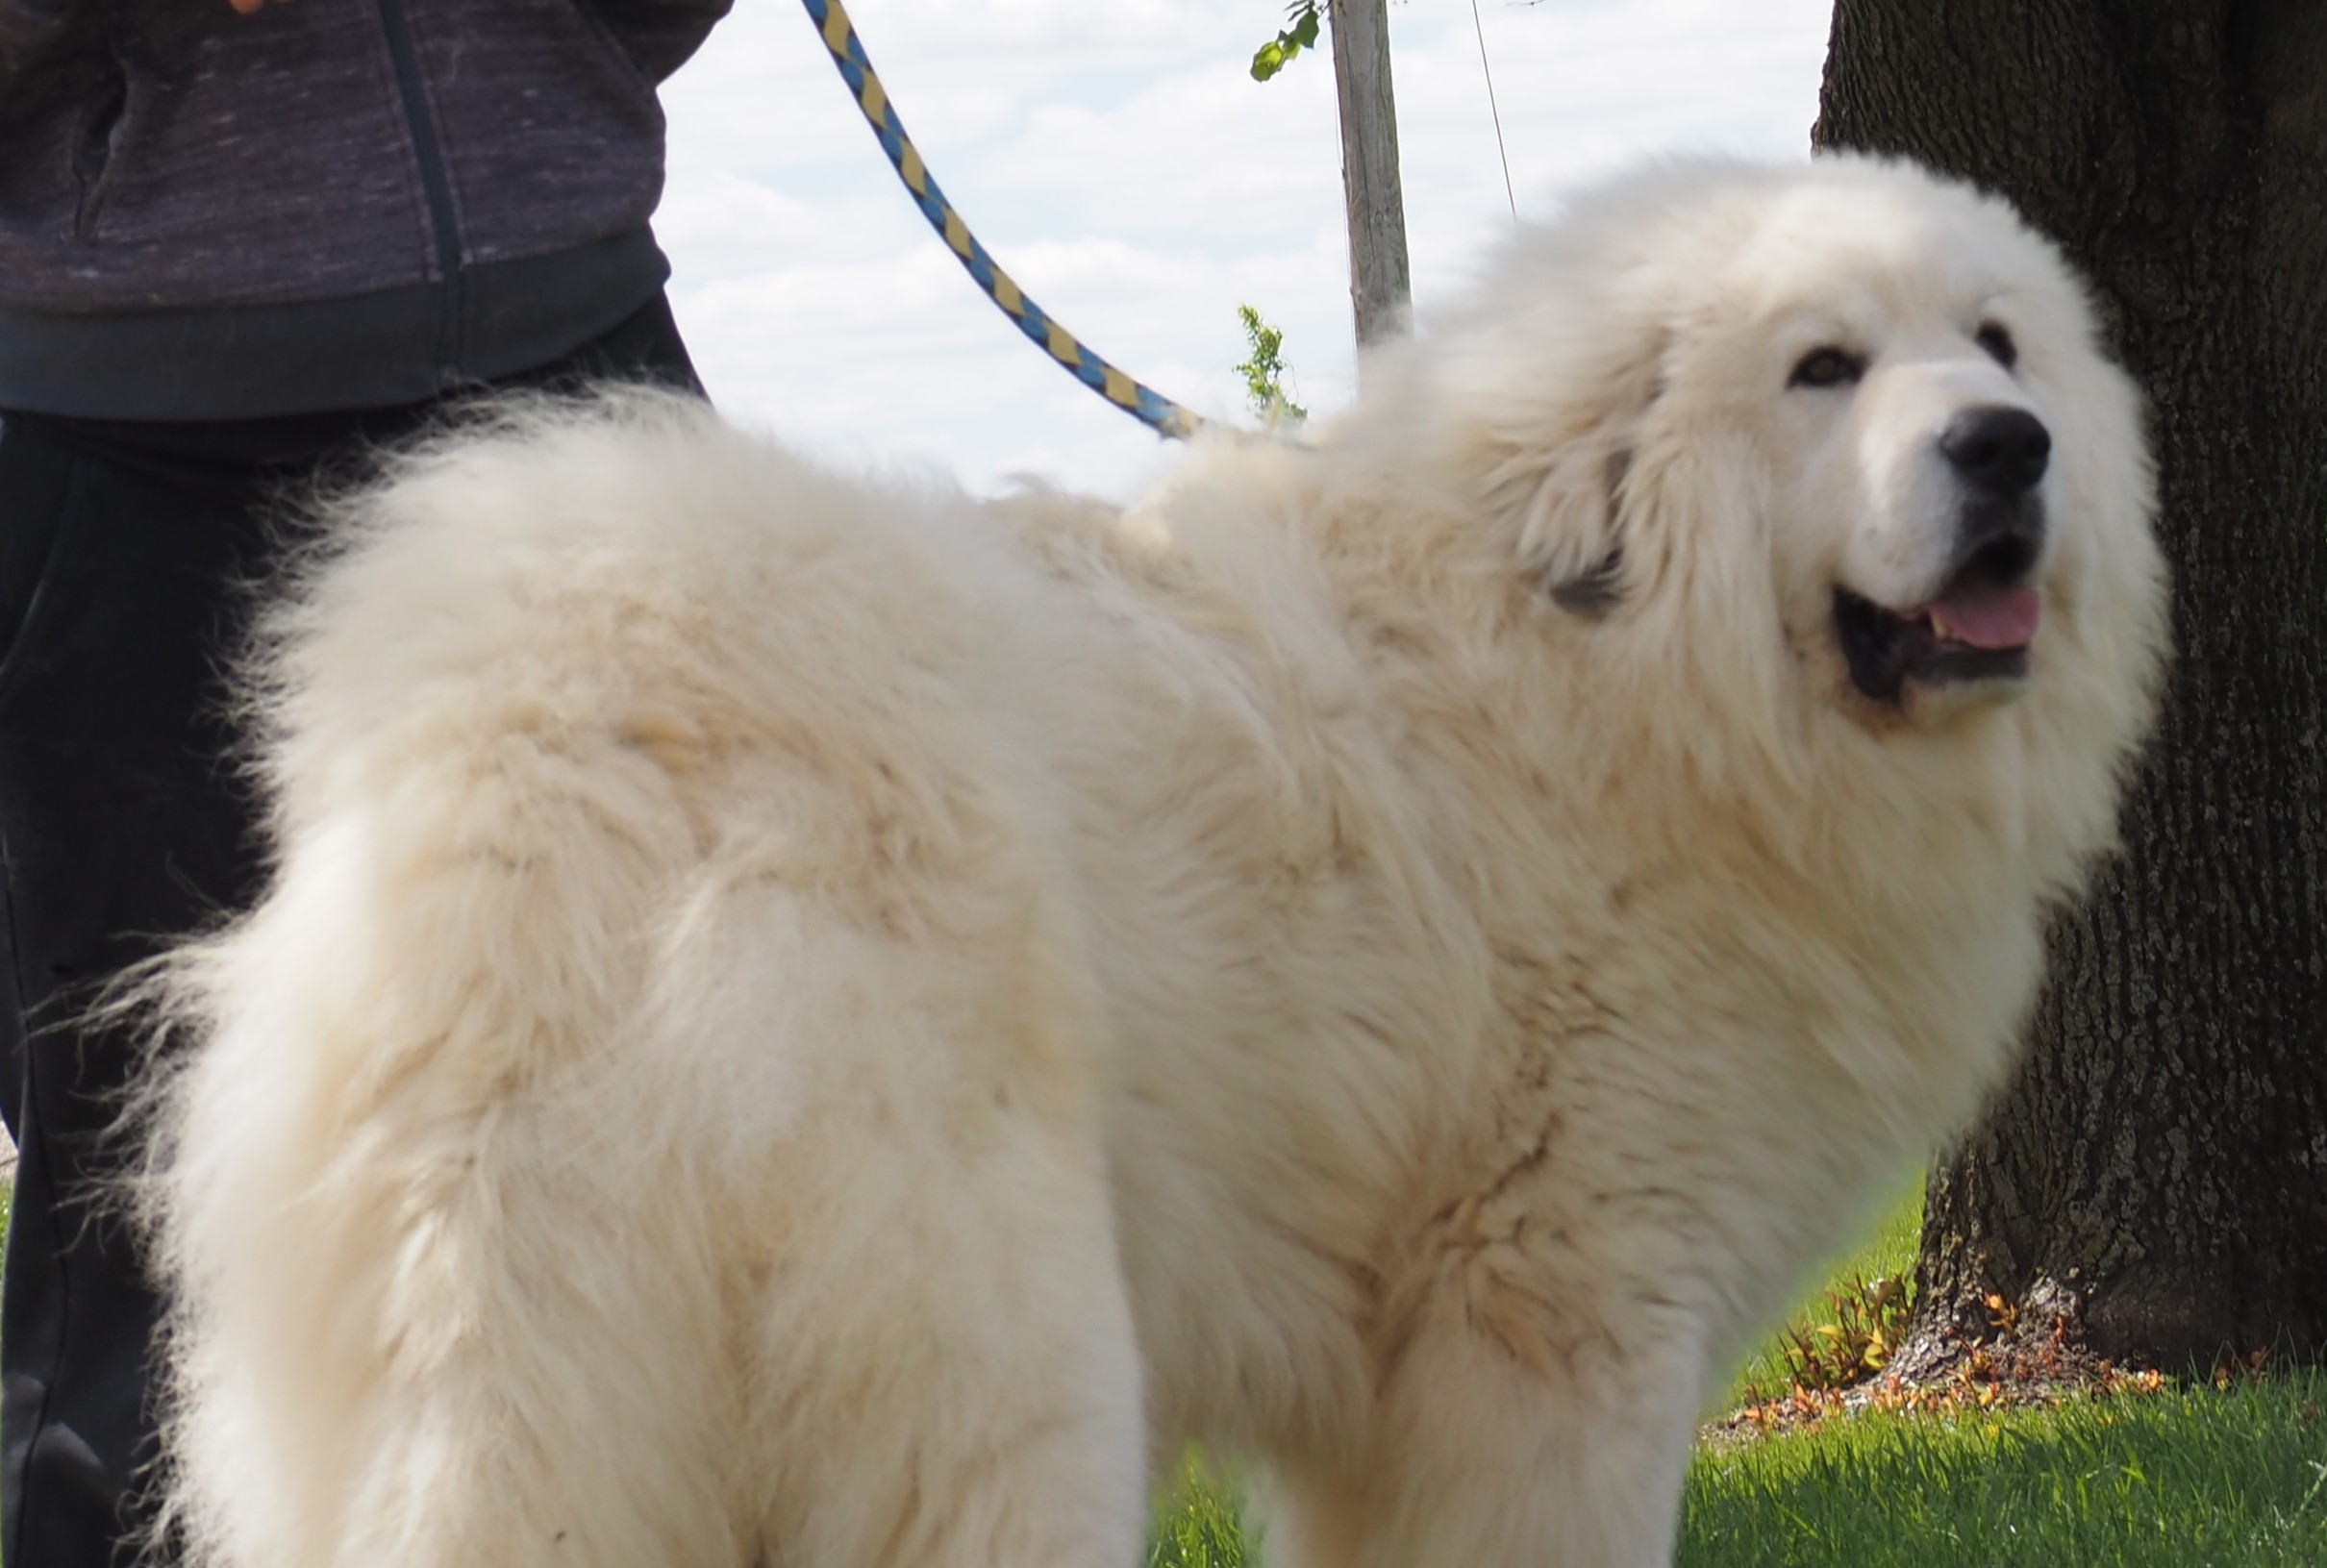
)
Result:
{"points": [[1143, 403]]}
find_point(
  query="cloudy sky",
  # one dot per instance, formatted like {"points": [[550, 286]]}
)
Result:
{"points": [[1117, 159]]}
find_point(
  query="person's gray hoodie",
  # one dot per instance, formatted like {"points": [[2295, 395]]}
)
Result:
{"points": [[330, 204]]}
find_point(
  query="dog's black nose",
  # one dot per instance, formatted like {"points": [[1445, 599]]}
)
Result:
{"points": [[2002, 451]]}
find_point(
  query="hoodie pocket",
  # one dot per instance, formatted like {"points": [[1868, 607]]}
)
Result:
{"points": [[104, 132]]}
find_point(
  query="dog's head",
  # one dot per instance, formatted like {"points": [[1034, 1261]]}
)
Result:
{"points": [[1827, 457], [1949, 449]]}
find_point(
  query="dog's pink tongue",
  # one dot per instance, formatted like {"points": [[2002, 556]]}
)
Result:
{"points": [[1983, 615]]}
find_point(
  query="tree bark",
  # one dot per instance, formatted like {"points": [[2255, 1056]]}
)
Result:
{"points": [[2157, 1174], [1379, 288]]}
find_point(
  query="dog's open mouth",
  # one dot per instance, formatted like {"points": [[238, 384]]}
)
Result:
{"points": [[1977, 630]]}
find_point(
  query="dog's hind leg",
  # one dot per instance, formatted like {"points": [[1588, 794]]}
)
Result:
{"points": [[943, 1367], [942, 1371], [956, 1388]]}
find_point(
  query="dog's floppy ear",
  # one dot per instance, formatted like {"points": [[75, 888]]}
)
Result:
{"points": [[1550, 410], [1575, 535], [1580, 513]]}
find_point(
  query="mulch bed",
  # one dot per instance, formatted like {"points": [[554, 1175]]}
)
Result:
{"points": [[1979, 1386], [2040, 1371]]}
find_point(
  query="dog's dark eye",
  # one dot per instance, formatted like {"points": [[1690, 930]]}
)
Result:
{"points": [[1827, 366], [1998, 343]]}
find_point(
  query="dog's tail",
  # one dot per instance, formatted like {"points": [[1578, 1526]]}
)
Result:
{"points": [[408, 1234]]}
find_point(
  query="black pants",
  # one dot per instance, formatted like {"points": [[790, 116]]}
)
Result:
{"points": [[124, 821]]}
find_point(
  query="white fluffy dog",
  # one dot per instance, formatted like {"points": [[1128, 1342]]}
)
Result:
{"points": [[814, 1022]]}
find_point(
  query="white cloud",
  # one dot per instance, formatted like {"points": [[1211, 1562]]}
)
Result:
{"points": [[1117, 159]]}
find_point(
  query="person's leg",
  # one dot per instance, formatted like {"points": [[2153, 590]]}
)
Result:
{"points": [[120, 821], [123, 822]]}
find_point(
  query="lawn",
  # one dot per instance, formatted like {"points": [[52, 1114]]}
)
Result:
{"points": [[2193, 1477], [2197, 1479]]}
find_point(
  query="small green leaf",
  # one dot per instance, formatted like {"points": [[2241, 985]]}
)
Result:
{"points": [[1273, 57]]}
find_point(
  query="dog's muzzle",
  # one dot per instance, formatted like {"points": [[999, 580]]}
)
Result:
{"points": [[1977, 628]]}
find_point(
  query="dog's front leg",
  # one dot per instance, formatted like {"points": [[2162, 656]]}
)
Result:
{"points": [[1496, 1450]]}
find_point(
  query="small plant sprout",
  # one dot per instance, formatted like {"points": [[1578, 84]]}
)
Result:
{"points": [[1266, 371]]}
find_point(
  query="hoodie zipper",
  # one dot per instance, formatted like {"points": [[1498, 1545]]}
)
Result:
{"points": [[435, 184]]}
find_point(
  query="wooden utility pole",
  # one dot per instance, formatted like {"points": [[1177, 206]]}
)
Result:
{"points": [[1380, 288]]}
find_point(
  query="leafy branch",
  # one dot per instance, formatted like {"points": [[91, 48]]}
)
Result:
{"points": [[1278, 53]]}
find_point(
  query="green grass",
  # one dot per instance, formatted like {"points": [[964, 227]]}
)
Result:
{"points": [[1197, 1521], [2195, 1479], [2199, 1479], [2191, 1480]]}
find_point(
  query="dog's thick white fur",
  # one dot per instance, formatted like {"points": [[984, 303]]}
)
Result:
{"points": [[817, 1022]]}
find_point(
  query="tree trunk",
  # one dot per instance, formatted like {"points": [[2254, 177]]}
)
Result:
{"points": [[2157, 1174], [1378, 281]]}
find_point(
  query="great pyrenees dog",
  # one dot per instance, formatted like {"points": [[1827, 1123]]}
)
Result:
{"points": [[820, 1022]]}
